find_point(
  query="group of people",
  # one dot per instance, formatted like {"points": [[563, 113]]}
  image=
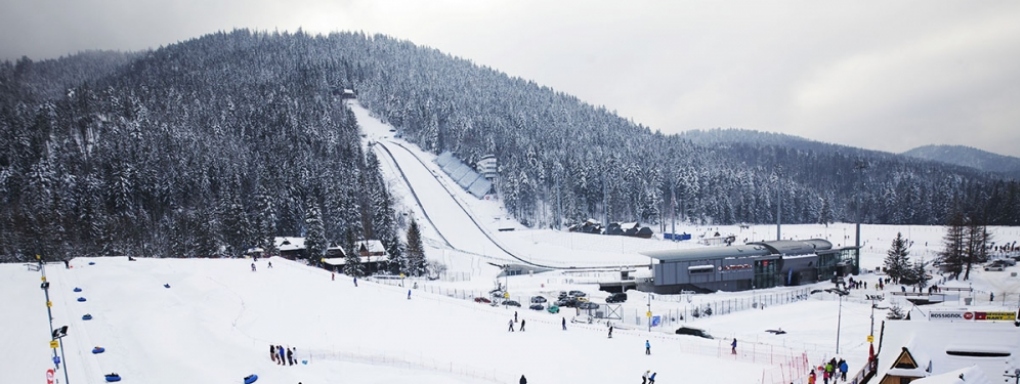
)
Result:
{"points": [[282, 356], [648, 377], [253, 264], [832, 370]]}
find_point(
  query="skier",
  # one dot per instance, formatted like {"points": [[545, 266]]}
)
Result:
{"points": [[522, 325], [511, 326], [733, 346], [651, 379], [648, 348], [523, 380], [253, 267], [564, 322]]}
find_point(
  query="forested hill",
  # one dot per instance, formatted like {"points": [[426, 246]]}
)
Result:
{"points": [[1007, 166], [214, 144]]}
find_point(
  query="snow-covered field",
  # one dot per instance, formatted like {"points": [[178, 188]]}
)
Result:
{"points": [[216, 321]]}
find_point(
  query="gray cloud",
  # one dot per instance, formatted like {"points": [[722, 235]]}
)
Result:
{"points": [[879, 75]]}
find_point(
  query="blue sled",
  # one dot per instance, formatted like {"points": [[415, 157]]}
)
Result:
{"points": [[87, 317], [251, 379], [76, 289], [80, 299], [98, 350], [113, 377]]}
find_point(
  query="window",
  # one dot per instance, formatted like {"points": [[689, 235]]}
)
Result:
{"points": [[700, 269]]}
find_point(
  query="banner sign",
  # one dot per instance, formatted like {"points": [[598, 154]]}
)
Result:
{"points": [[970, 316]]}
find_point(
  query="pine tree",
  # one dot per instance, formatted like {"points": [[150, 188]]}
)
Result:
{"points": [[352, 263], [417, 264], [398, 260], [919, 274], [952, 254], [975, 246], [897, 259], [315, 235]]}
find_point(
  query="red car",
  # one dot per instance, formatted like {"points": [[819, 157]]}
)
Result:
{"points": [[482, 300]]}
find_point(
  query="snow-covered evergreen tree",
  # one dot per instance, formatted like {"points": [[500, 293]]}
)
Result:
{"points": [[897, 260], [315, 236], [417, 263]]}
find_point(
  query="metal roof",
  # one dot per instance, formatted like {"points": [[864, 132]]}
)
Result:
{"points": [[765, 248], [793, 248], [709, 253]]}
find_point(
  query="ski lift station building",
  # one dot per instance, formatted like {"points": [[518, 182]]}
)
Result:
{"points": [[750, 266]]}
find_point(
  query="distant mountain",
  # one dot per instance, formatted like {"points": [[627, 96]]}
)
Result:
{"points": [[969, 157], [215, 145]]}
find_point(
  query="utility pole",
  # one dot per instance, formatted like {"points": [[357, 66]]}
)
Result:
{"points": [[839, 320]]}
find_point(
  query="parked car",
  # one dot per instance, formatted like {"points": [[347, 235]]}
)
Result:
{"points": [[497, 293], [578, 294], [995, 267], [618, 297], [569, 302], [588, 305], [537, 307], [482, 300], [538, 299], [693, 332], [553, 309], [512, 303], [563, 295], [1006, 262]]}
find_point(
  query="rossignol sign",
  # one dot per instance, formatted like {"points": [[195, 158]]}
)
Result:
{"points": [[970, 316]]}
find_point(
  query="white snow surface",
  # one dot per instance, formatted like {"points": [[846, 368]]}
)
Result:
{"points": [[217, 319]]}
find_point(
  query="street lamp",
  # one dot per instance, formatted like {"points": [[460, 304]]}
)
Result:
{"points": [[59, 333], [839, 319]]}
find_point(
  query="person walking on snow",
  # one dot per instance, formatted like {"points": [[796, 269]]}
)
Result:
{"points": [[811, 377], [409, 294], [515, 316], [253, 267], [522, 325], [272, 353], [843, 367], [332, 276], [290, 356], [648, 348], [511, 326], [651, 379], [355, 281], [733, 346], [564, 322], [523, 380], [644, 376], [610, 331], [280, 354]]}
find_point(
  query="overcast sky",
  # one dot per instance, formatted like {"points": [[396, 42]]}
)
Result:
{"points": [[875, 74]]}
